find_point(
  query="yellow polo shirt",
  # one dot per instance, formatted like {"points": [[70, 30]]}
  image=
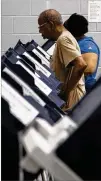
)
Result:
{"points": [[66, 50]]}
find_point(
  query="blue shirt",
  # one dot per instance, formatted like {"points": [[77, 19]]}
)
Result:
{"points": [[87, 45]]}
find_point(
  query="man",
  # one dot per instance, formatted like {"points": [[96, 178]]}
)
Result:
{"points": [[78, 26], [67, 62]]}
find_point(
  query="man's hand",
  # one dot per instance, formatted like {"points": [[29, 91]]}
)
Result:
{"points": [[78, 70]]}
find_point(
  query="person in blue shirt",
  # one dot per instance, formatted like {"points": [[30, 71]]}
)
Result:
{"points": [[77, 25]]}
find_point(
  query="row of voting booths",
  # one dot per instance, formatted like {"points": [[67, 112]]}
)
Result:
{"points": [[37, 138]]}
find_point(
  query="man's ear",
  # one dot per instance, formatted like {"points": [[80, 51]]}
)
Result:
{"points": [[52, 25]]}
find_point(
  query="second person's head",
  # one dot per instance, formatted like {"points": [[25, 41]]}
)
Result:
{"points": [[77, 25]]}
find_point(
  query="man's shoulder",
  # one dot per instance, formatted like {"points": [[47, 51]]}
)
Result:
{"points": [[65, 37]]}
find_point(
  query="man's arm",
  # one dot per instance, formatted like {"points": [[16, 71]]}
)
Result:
{"points": [[78, 70], [71, 54]]}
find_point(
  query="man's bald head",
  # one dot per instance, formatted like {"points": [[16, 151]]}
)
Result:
{"points": [[50, 24], [51, 15]]}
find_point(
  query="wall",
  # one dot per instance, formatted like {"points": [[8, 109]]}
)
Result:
{"points": [[19, 19]]}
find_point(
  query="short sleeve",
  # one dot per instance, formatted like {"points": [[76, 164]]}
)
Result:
{"points": [[68, 50], [89, 46]]}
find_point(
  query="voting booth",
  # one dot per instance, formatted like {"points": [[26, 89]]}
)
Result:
{"points": [[38, 138]]}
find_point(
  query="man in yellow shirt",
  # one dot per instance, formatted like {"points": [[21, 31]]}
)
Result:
{"points": [[67, 61]]}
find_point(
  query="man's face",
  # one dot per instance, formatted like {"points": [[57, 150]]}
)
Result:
{"points": [[45, 29]]}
